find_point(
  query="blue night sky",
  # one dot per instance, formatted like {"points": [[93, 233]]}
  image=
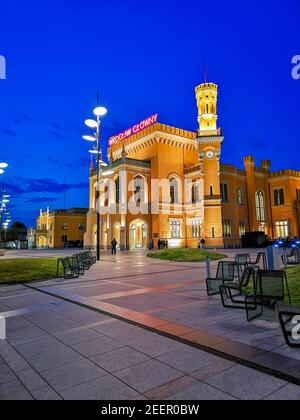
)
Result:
{"points": [[144, 58]]}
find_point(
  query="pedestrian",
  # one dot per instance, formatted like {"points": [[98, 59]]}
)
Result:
{"points": [[203, 243], [159, 244], [151, 245], [167, 244], [114, 245]]}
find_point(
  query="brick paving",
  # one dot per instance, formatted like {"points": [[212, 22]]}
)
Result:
{"points": [[135, 328]]}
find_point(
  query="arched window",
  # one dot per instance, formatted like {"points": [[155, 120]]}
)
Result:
{"points": [[260, 206], [139, 189], [195, 194], [174, 191], [106, 196], [117, 190]]}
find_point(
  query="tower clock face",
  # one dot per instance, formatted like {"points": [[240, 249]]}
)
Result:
{"points": [[210, 154]]}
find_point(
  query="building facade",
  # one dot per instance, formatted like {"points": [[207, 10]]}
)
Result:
{"points": [[203, 199], [58, 228]]}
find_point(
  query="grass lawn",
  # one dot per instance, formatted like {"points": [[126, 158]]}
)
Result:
{"points": [[186, 255], [23, 270], [293, 274]]}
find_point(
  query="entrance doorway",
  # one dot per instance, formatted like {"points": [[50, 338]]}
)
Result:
{"points": [[138, 235], [117, 233]]}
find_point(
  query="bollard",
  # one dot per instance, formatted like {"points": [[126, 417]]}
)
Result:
{"points": [[2, 328], [273, 255], [208, 268], [284, 258]]}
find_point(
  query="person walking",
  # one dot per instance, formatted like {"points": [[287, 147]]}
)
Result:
{"points": [[203, 243], [114, 245], [151, 245], [159, 244]]}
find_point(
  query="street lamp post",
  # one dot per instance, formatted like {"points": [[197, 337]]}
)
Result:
{"points": [[99, 112], [4, 213]]}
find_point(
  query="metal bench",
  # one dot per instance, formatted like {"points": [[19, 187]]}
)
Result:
{"points": [[261, 261], [70, 269], [227, 272]]}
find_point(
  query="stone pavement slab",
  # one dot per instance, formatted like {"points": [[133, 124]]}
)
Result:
{"points": [[114, 336], [246, 384]]}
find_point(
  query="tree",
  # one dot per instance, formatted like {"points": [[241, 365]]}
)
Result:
{"points": [[17, 232]]}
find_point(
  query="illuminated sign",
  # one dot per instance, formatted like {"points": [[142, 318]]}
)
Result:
{"points": [[134, 130]]}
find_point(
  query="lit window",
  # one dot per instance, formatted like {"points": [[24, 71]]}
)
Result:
{"points": [[260, 206], [227, 228], [196, 229], [282, 229], [81, 227], [240, 198], [175, 229], [242, 228]]}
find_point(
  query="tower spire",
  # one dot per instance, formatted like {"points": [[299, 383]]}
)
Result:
{"points": [[91, 165]]}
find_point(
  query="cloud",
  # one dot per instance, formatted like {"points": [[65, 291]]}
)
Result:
{"points": [[8, 132], [28, 186], [42, 200], [23, 119], [55, 133]]}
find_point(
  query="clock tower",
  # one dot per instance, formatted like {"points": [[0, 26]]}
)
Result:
{"points": [[209, 143]]}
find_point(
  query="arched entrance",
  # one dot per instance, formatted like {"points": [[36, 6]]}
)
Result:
{"points": [[117, 232], [138, 234], [42, 242]]}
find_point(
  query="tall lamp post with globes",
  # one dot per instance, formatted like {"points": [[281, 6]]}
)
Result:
{"points": [[4, 213], [99, 113]]}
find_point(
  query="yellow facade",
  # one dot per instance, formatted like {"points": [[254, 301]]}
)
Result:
{"points": [[55, 229], [228, 203]]}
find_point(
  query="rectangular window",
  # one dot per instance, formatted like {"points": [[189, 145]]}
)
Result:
{"points": [[213, 232], [298, 194], [240, 198], [81, 227], [224, 192], [65, 226], [242, 228], [279, 197], [196, 229], [227, 228], [282, 229], [175, 230]]}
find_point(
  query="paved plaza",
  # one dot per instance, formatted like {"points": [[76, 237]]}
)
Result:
{"points": [[137, 328]]}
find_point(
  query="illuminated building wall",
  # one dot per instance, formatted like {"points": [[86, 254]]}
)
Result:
{"points": [[229, 201]]}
